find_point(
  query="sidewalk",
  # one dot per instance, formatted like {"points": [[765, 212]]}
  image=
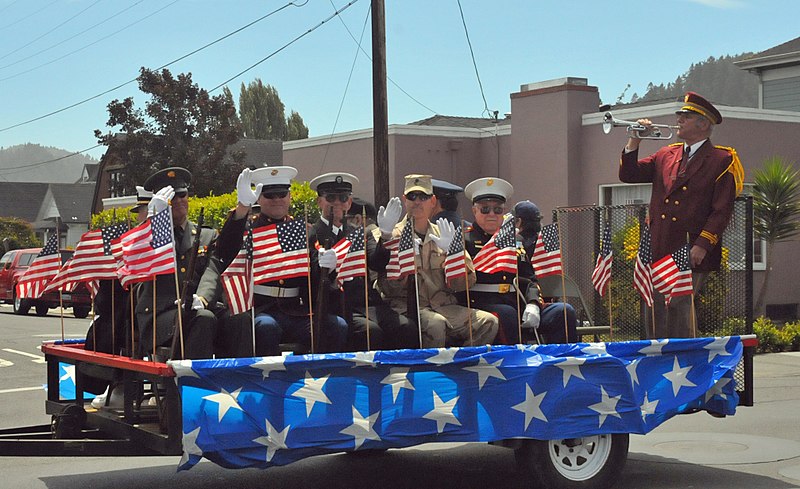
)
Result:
{"points": [[763, 440]]}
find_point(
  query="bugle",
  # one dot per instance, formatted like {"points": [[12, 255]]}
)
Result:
{"points": [[636, 130]]}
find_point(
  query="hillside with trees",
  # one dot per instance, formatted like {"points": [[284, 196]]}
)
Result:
{"points": [[34, 163], [717, 79]]}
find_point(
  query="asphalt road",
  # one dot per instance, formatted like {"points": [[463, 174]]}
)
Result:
{"points": [[757, 448]]}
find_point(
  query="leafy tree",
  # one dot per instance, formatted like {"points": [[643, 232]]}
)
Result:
{"points": [[16, 233], [181, 125], [295, 129], [776, 209], [263, 114]]}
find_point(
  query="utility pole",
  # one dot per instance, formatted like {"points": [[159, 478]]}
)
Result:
{"points": [[380, 112]]}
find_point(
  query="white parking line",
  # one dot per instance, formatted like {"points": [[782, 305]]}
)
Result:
{"points": [[5, 363], [21, 389], [36, 358]]}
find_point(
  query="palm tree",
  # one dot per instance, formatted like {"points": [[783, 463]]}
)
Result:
{"points": [[776, 208]]}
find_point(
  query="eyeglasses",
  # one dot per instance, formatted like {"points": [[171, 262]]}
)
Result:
{"points": [[331, 198], [421, 196], [182, 194], [275, 195], [485, 209]]}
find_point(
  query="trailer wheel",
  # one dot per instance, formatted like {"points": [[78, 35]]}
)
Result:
{"points": [[68, 424], [592, 462]]}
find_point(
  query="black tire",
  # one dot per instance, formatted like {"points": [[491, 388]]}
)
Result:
{"points": [[41, 309], [20, 306], [592, 462], [80, 312], [68, 424]]}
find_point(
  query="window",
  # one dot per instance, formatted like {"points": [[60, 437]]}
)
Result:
{"points": [[624, 194]]}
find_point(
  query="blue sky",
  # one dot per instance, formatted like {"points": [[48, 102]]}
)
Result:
{"points": [[51, 56]]}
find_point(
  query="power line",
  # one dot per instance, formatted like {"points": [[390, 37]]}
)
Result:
{"points": [[474, 64], [8, 6], [91, 44], [28, 16], [51, 30], [74, 36], [159, 68], [309, 31]]}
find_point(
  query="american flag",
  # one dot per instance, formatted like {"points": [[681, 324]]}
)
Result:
{"points": [[546, 259], [44, 268], [93, 259], [351, 256], [455, 265], [62, 280], [236, 279], [499, 254], [602, 269], [642, 274], [280, 251], [672, 275], [147, 250], [402, 261]]}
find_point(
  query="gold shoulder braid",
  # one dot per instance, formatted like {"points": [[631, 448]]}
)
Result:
{"points": [[676, 144], [735, 168]]}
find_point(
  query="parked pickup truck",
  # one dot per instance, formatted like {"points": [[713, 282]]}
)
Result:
{"points": [[14, 263]]}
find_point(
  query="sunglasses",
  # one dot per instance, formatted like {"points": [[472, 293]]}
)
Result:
{"points": [[485, 209], [422, 197], [182, 194], [331, 198], [275, 195]]}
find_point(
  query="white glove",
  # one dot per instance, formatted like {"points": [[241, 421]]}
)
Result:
{"points": [[530, 317], [244, 192], [327, 259], [389, 216], [417, 244], [160, 200], [197, 303], [447, 231]]}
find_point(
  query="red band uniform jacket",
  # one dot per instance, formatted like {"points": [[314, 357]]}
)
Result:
{"points": [[698, 202]]}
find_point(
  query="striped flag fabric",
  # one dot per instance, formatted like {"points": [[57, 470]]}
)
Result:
{"points": [[601, 275], [642, 274], [237, 278], [280, 251], [61, 281], [499, 254], [147, 250], [402, 261], [455, 265], [42, 269], [351, 256], [546, 259], [93, 259], [672, 275]]}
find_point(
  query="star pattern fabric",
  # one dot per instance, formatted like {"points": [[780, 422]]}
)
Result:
{"points": [[263, 412]]}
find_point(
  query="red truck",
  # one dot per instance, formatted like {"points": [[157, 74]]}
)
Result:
{"points": [[14, 263]]}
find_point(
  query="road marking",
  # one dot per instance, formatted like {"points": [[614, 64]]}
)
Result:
{"points": [[5, 363], [36, 358], [21, 389]]}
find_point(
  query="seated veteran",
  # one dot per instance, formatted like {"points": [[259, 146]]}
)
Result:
{"points": [[170, 187], [442, 321], [517, 305], [282, 309]]}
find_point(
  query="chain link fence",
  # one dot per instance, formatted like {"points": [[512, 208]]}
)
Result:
{"points": [[724, 306]]}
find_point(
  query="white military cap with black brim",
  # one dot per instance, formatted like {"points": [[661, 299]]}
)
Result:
{"points": [[143, 197], [273, 177], [334, 183], [488, 188]]}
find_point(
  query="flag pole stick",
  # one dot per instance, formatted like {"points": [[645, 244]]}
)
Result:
{"points": [[251, 285], [308, 279], [133, 331], [113, 318], [416, 282], [61, 305], [366, 273], [692, 312], [154, 319], [466, 283], [610, 314]]}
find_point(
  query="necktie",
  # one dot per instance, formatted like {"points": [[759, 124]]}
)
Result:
{"points": [[687, 153]]}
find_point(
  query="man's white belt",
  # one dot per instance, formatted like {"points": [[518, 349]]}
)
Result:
{"points": [[276, 291], [496, 288]]}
